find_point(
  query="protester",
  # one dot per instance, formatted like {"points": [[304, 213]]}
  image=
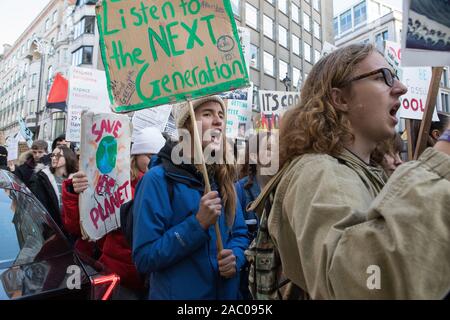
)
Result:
{"points": [[26, 170], [340, 231], [387, 154], [46, 184], [174, 240], [113, 250], [4, 158], [437, 128]]}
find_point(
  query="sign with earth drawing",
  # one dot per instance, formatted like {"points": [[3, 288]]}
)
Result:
{"points": [[167, 51], [105, 158]]}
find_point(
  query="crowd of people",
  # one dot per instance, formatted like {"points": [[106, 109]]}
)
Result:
{"points": [[342, 202]]}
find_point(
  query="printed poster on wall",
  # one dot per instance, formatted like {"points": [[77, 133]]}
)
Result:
{"points": [[169, 52], [105, 158]]}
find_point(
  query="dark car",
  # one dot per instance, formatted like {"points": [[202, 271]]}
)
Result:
{"points": [[37, 261]]}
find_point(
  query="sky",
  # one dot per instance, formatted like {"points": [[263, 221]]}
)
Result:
{"points": [[16, 16]]}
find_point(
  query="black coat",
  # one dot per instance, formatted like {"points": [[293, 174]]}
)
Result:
{"points": [[25, 171], [43, 185]]}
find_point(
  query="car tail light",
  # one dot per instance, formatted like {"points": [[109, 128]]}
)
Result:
{"points": [[103, 286]]}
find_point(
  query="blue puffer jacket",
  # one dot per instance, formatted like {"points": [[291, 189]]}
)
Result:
{"points": [[170, 245]]}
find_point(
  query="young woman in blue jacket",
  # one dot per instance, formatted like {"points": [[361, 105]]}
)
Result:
{"points": [[174, 240]]}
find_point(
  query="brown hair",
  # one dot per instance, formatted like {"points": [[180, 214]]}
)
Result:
{"points": [[315, 126], [390, 146], [134, 168], [71, 160], [225, 174]]}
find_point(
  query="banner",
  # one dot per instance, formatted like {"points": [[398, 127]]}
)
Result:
{"points": [[105, 158], [416, 79], [155, 117], [244, 40], [162, 52], [426, 33], [273, 104], [239, 119]]}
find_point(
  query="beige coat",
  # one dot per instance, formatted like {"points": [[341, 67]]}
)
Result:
{"points": [[340, 239]]}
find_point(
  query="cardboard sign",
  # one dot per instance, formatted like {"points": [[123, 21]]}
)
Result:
{"points": [[273, 104], [25, 132], [239, 119], [13, 147], [154, 117], [87, 91], [161, 52], [105, 158], [417, 80], [426, 33]]}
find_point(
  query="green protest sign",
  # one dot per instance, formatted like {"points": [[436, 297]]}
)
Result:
{"points": [[162, 52]]}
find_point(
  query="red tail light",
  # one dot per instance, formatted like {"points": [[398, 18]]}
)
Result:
{"points": [[103, 286]]}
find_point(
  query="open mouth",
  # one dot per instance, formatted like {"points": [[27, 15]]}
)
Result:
{"points": [[394, 109], [216, 135]]}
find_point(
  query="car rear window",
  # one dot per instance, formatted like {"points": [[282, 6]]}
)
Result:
{"points": [[27, 233]]}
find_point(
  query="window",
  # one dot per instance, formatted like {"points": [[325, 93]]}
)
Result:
{"points": [[306, 22], [444, 102], [316, 5], [296, 77], [82, 56], [235, 5], [251, 16], [282, 36], [55, 16], [282, 5], [283, 69], [65, 55], [254, 53], [294, 13], [360, 13], [346, 21], [47, 24], [268, 26], [33, 80], [444, 79], [307, 51], [85, 26], [32, 106], [316, 28], [270, 1], [316, 56], [295, 45], [379, 39], [268, 63]]}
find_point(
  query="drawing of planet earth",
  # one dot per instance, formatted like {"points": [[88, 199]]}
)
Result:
{"points": [[106, 154]]}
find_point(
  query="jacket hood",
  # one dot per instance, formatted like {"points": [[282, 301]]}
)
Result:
{"points": [[39, 167]]}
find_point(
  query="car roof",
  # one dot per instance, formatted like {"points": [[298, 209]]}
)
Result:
{"points": [[9, 180]]}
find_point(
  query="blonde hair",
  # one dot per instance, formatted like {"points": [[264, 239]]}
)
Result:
{"points": [[315, 126], [134, 168]]}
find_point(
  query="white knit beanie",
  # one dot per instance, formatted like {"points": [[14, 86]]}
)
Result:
{"points": [[182, 110], [149, 140]]}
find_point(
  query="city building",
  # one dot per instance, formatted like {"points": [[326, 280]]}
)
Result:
{"points": [[286, 40], [375, 21]]}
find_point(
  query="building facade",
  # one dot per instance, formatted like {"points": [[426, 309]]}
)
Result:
{"points": [[286, 40], [372, 21]]}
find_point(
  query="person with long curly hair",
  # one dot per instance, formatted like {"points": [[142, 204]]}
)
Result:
{"points": [[342, 232], [174, 239]]}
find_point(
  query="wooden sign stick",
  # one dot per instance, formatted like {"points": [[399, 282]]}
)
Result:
{"points": [[428, 113], [409, 134], [198, 154]]}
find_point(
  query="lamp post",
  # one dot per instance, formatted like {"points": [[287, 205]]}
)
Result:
{"points": [[287, 82]]}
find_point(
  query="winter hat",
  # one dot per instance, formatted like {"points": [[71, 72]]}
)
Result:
{"points": [[149, 140], [182, 110]]}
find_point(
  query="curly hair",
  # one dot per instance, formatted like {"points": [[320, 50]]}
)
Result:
{"points": [[315, 125]]}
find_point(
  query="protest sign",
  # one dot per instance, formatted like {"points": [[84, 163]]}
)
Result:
{"points": [[426, 33], [162, 52], [273, 104], [87, 91], [25, 132], [239, 119], [154, 117], [416, 79], [244, 40], [12, 143], [105, 158]]}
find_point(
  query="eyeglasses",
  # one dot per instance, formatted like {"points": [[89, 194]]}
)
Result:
{"points": [[388, 75], [56, 155]]}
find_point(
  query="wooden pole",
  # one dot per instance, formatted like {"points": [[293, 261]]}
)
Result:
{"points": [[410, 137], [428, 113], [198, 154]]}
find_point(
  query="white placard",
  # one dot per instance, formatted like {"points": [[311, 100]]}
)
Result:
{"points": [[87, 91], [273, 104], [153, 117], [239, 119]]}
